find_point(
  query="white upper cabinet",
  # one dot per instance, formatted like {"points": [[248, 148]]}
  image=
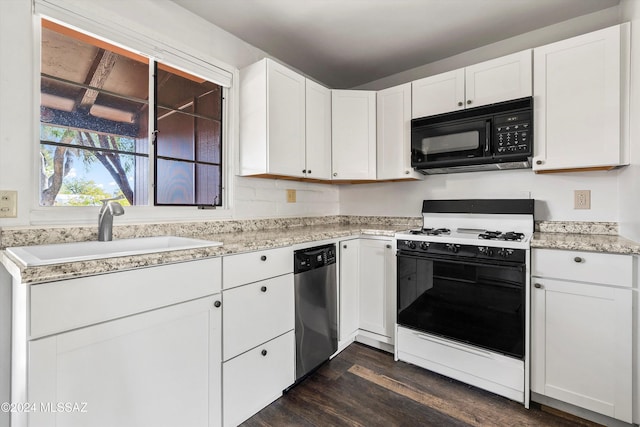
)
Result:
{"points": [[581, 99], [353, 134], [276, 106], [318, 129], [496, 80], [394, 133], [438, 94]]}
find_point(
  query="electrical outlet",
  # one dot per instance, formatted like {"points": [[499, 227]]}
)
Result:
{"points": [[582, 199], [291, 196], [8, 204]]}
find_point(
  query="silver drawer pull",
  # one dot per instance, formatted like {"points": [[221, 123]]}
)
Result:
{"points": [[578, 259]]}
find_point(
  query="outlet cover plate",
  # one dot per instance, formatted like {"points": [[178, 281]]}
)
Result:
{"points": [[8, 204], [582, 199], [291, 196]]}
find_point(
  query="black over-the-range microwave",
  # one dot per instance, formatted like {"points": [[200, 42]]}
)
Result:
{"points": [[496, 136]]}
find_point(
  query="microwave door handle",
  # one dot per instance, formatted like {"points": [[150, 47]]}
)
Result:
{"points": [[487, 136]]}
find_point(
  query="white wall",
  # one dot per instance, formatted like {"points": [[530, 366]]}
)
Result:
{"points": [[553, 191], [159, 20]]}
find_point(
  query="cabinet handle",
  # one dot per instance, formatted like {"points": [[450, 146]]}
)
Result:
{"points": [[539, 162], [460, 104], [469, 102], [335, 174], [217, 304], [263, 289], [344, 246], [304, 171], [578, 259], [263, 258], [309, 171], [537, 286], [388, 246], [263, 352], [407, 172]]}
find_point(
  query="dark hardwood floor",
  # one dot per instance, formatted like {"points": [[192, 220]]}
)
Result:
{"points": [[365, 387]]}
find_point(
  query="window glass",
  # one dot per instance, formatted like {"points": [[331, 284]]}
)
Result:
{"points": [[188, 143], [94, 116]]}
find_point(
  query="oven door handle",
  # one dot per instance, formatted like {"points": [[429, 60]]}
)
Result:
{"points": [[487, 137], [492, 263]]}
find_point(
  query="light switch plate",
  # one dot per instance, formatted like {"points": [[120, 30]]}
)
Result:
{"points": [[8, 204]]}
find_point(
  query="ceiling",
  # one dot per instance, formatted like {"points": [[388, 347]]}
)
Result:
{"points": [[346, 43]]}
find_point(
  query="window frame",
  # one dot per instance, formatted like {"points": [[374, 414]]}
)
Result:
{"points": [[172, 55]]}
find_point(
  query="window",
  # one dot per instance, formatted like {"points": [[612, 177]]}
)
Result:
{"points": [[95, 117]]}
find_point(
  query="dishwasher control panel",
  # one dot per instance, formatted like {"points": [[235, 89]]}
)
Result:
{"points": [[312, 258]]}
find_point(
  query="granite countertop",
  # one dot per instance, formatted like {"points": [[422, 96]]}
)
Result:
{"points": [[237, 238], [585, 242], [237, 242]]}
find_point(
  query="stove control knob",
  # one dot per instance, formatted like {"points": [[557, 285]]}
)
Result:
{"points": [[424, 246], [452, 248], [410, 244], [485, 250], [504, 253]]}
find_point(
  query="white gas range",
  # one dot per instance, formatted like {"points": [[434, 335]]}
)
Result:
{"points": [[463, 293]]}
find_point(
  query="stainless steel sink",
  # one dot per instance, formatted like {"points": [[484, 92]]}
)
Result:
{"points": [[84, 251]]}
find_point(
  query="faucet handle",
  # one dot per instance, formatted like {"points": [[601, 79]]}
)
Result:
{"points": [[105, 201]]}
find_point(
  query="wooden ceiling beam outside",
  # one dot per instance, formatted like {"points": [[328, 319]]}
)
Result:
{"points": [[97, 77]]}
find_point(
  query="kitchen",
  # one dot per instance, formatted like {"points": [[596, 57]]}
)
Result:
{"points": [[614, 193]]}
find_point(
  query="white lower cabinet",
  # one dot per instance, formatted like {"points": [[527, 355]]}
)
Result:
{"points": [[377, 288], [258, 331], [256, 378], [349, 290], [582, 331], [158, 368], [367, 291], [271, 301]]}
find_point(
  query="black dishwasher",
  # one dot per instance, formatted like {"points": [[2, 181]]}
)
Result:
{"points": [[316, 307]]}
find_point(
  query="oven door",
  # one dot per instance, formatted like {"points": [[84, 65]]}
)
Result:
{"points": [[478, 302], [454, 144]]}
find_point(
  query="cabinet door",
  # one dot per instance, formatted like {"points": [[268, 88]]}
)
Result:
{"points": [[157, 368], [286, 120], [318, 131], [349, 288], [581, 345], [394, 133], [353, 134], [271, 304], [579, 92], [256, 378], [437, 94], [500, 79], [377, 290]]}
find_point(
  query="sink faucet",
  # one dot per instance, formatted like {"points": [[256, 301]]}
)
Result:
{"points": [[109, 209]]}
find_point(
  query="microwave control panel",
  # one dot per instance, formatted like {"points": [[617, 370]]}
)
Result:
{"points": [[513, 134]]}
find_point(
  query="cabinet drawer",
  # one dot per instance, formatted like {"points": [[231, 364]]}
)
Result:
{"points": [[256, 313], [256, 378], [70, 304], [254, 266], [608, 269]]}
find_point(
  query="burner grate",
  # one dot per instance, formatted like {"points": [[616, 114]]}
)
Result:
{"points": [[498, 235], [431, 231]]}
